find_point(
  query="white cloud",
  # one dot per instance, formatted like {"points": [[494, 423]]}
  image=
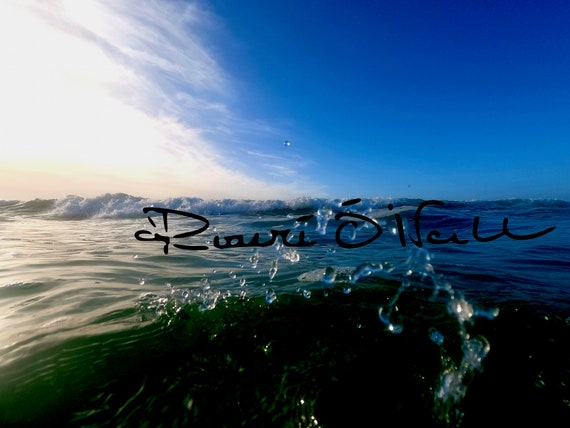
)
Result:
{"points": [[122, 96]]}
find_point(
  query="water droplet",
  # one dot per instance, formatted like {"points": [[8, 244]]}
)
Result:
{"points": [[436, 336], [329, 275], [474, 351], [270, 296], [242, 282], [395, 328], [361, 271], [386, 315], [142, 281], [307, 294], [273, 269], [254, 259], [209, 300], [205, 284], [490, 313], [462, 310], [292, 255], [160, 310]]}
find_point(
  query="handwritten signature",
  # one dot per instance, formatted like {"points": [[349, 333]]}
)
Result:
{"points": [[351, 219]]}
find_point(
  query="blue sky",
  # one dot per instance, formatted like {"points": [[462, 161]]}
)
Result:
{"points": [[426, 99]]}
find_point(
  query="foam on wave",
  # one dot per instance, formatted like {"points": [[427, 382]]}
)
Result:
{"points": [[121, 205]]}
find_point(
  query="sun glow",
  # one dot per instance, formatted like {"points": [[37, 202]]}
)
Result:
{"points": [[89, 105], [57, 94]]}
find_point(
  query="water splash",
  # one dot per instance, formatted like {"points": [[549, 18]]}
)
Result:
{"points": [[456, 372], [366, 269], [455, 375], [292, 255], [323, 216], [388, 313]]}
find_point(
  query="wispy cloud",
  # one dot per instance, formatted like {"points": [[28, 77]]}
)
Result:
{"points": [[127, 96], [280, 166]]}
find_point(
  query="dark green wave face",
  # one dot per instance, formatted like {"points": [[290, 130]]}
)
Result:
{"points": [[324, 361]]}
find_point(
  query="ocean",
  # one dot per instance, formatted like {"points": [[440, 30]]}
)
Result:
{"points": [[123, 311]]}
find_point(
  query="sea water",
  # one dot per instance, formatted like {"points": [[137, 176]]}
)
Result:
{"points": [[126, 311]]}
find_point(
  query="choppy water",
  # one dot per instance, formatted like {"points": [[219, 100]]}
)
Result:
{"points": [[362, 328]]}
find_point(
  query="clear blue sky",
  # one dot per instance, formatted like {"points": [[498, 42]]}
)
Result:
{"points": [[427, 99]]}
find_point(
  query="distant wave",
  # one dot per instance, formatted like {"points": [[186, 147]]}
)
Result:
{"points": [[121, 205]]}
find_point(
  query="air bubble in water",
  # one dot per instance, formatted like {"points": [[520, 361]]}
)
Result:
{"points": [[307, 294], [270, 296]]}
